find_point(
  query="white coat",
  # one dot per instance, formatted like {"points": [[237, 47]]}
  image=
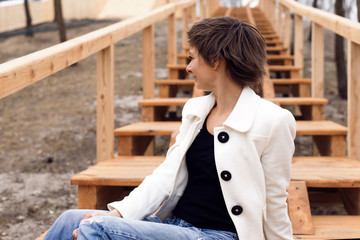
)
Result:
{"points": [[257, 154]]}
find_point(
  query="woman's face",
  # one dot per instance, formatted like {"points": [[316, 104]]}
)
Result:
{"points": [[200, 70]]}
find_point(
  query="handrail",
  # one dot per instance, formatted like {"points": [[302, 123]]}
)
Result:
{"points": [[24, 71], [342, 26]]}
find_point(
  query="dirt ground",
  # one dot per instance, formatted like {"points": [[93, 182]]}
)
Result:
{"points": [[47, 131]]}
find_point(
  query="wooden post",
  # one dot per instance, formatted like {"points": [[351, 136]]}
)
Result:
{"points": [[351, 197], [193, 13], [317, 61], [202, 9], [299, 42], [105, 104], [280, 29], [148, 62], [287, 29], [354, 100], [172, 39], [185, 25], [272, 12]]}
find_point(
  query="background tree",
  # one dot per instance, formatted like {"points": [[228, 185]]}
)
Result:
{"points": [[340, 55], [60, 20], [29, 31]]}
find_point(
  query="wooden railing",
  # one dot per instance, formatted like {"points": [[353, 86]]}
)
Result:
{"points": [[25, 71], [350, 30]]}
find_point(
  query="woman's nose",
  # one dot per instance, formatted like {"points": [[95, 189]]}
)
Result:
{"points": [[188, 68]]}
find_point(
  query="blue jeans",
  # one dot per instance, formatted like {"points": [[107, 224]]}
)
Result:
{"points": [[151, 228]]}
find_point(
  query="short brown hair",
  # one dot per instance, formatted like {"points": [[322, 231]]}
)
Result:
{"points": [[240, 44]]}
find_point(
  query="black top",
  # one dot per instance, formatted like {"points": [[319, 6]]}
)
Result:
{"points": [[202, 203]]}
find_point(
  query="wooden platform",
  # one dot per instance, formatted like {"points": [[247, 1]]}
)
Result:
{"points": [[334, 227], [326, 172]]}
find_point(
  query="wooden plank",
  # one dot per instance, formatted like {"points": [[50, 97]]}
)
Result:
{"points": [[148, 62], [105, 104], [175, 82], [287, 29], [120, 171], [291, 81], [299, 42], [298, 100], [352, 197], [299, 208], [334, 227], [171, 39], [354, 100], [320, 128], [317, 61], [148, 129], [278, 100], [326, 172]]}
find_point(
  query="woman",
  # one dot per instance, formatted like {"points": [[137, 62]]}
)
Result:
{"points": [[227, 173]]}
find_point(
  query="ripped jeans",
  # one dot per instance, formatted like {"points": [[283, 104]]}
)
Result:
{"points": [[151, 228]]}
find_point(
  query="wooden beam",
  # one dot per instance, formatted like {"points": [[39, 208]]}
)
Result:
{"points": [[22, 72], [299, 208], [148, 62], [299, 43], [317, 61], [105, 104], [354, 100], [172, 39], [287, 29]]}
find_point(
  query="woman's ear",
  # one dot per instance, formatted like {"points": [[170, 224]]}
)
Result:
{"points": [[216, 64]]}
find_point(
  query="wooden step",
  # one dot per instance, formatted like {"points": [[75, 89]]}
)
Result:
{"points": [[334, 227], [174, 82], [306, 128], [112, 180], [277, 81], [281, 68], [120, 171], [319, 128], [290, 81], [280, 100], [280, 57], [326, 172], [148, 129]]}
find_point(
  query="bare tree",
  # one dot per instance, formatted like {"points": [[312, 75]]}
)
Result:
{"points": [[340, 55], [29, 31], [60, 20], [358, 9]]}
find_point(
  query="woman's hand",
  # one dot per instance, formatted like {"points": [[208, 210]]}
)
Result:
{"points": [[113, 213]]}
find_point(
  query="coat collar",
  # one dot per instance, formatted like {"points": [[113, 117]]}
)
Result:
{"points": [[240, 119]]}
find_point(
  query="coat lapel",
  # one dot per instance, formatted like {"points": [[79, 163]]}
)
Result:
{"points": [[243, 115], [240, 119]]}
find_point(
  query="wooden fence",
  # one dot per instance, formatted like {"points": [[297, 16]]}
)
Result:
{"points": [[25, 71], [278, 11]]}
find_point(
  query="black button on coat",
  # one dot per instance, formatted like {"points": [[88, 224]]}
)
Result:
{"points": [[237, 210], [223, 137], [225, 175]]}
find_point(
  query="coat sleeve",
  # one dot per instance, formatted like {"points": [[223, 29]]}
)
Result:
{"points": [[276, 162], [156, 188]]}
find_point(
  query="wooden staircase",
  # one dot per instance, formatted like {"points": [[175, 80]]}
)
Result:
{"points": [[312, 176]]}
